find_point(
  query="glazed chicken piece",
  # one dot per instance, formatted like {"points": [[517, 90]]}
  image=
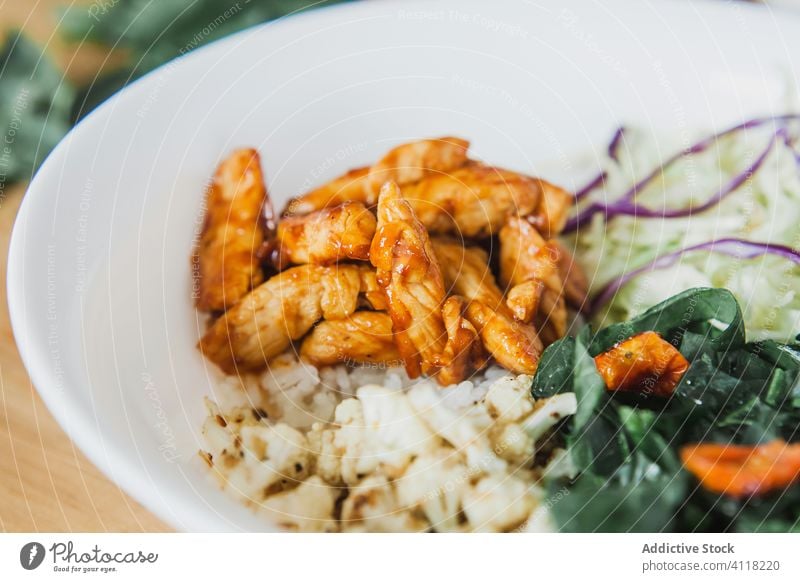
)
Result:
{"points": [[520, 257], [349, 187], [466, 272], [328, 235], [365, 337], [374, 296], [530, 266], [463, 351], [524, 300], [473, 201], [553, 209], [403, 165], [409, 274], [411, 162], [226, 261], [284, 308], [551, 317], [516, 346], [576, 285]]}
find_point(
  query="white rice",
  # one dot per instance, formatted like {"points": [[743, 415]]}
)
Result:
{"points": [[298, 394], [368, 449]]}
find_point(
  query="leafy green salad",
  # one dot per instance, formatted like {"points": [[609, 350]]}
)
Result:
{"points": [[699, 433]]}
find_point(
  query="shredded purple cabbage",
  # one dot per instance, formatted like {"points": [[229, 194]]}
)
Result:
{"points": [[789, 140], [596, 181], [733, 247], [625, 204], [613, 146]]}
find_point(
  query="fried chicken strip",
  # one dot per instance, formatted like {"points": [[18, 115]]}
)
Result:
{"points": [[551, 317], [365, 337], [576, 285], [520, 257], [530, 266], [411, 162], [328, 235], [374, 295], [409, 274], [403, 165], [463, 351], [351, 186], [473, 201], [516, 346], [553, 209], [225, 262], [466, 272], [282, 309], [524, 300]]}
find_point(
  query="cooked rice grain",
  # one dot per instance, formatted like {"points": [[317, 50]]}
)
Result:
{"points": [[368, 449]]}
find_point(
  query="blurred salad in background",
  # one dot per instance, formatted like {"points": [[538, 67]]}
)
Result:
{"points": [[39, 105]]}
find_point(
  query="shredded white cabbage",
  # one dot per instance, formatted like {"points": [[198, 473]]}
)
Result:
{"points": [[764, 209]]}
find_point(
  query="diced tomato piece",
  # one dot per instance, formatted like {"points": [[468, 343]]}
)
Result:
{"points": [[741, 471], [644, 363]]}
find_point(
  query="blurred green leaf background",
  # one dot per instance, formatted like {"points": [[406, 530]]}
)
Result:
{"points": [[38, 104]]}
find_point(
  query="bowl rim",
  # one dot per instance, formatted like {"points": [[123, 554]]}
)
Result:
{"points": [[125, 473]]}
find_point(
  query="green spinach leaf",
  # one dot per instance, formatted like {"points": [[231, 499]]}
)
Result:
{"points": [[626, 451]]}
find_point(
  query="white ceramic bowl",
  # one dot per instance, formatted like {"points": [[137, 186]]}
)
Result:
{"points": [[99, 275]]}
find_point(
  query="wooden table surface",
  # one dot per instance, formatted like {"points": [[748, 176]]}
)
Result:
{"points": [[46, 484]]}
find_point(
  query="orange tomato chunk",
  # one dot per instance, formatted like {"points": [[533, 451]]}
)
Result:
{"points": [[644, 363], [741, 471]]}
